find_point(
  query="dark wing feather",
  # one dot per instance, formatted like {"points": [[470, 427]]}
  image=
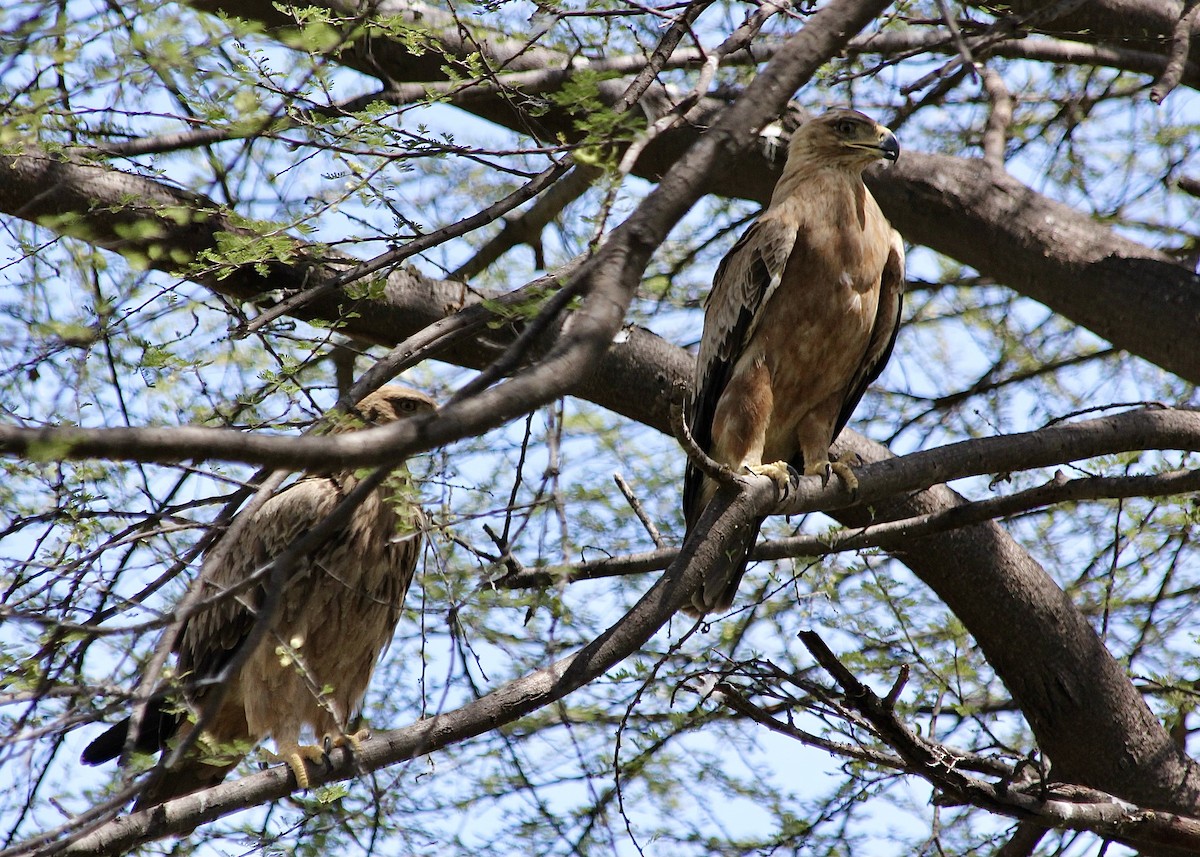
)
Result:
{"points": [[744, 281], [210, 638]]}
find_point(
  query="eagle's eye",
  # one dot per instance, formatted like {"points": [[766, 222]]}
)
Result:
{"points": [[845, 127], [408, 405]]}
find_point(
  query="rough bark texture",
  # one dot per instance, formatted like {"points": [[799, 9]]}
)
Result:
{"points": [[1043, 648], [1138, 299], [1086, 715]]}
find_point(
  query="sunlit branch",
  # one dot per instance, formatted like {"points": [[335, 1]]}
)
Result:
{"points": [[1142, 429], [1057, 490]]}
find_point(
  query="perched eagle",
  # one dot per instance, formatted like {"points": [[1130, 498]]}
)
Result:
{"points": [[337, 615], [802, 316]]}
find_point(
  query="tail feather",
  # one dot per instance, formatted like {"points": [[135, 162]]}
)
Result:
{"points": [[722, 579], [157, 727], [190, 776]]}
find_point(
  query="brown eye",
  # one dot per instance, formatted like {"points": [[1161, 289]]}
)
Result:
{"points": [[408, 405], [845, 126]]}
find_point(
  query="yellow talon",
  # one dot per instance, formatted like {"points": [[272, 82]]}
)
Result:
{"points": [[352, 741], [778, 471], [828, 468], [294, 756], [844, 473]]}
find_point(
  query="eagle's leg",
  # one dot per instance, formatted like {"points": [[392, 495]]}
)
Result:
{"points": [[294, 756]]}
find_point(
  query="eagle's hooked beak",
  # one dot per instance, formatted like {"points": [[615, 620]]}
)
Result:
{"points": [[889, 146]]}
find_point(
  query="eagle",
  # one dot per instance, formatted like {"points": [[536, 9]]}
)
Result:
{"points": [[337, 615], [801, 318]]}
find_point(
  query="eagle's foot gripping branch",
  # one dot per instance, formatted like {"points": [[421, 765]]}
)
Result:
{"points": [[835, 467], [295, 755]]}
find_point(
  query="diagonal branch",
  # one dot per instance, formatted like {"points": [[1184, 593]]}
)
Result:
{"points": [[1135, 297], [1068, 807]]}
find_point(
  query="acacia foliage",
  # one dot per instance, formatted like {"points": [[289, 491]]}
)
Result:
{"points": [[282, 144]]}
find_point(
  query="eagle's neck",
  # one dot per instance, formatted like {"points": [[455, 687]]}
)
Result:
{"points": [[818, 180]]}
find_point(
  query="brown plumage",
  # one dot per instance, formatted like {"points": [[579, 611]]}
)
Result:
{"points": [[338, 612], [801, 318]]}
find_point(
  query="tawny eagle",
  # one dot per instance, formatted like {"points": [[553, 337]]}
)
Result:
{"points": [[802, 316], [338, 613]]}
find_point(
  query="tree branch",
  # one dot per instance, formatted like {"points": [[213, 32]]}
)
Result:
{"points": [[1136, 298], [1058, 490], [1071, 807]]}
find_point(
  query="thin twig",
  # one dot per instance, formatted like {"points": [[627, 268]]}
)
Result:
{"points": [[722, 474], [672, 118], [995, 133], [964, 51], [639, 510], [527, 227], [1058, 490], [443, 333], [397, 255], [1181, 42]]}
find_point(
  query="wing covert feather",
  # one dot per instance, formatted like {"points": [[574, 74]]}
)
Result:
{"points": [[745, 280], [209, 638]]}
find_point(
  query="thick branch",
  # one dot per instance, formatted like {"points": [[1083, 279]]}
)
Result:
{"points": [[1144, 429], [1088, 718], [1040, 49], [1136, 298], [1141, 24], [1058, 490], [1001, 595]]}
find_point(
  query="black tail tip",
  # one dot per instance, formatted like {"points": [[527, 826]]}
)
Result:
{"points": [[107, 746]]}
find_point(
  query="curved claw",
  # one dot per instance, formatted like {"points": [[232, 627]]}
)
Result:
{"points": [[352, 741], [295, 755], [780, 472], [838, 467], [843, 471]]}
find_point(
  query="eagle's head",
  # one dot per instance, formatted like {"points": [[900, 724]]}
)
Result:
{"points": [[393, 402], [845, 137]]}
